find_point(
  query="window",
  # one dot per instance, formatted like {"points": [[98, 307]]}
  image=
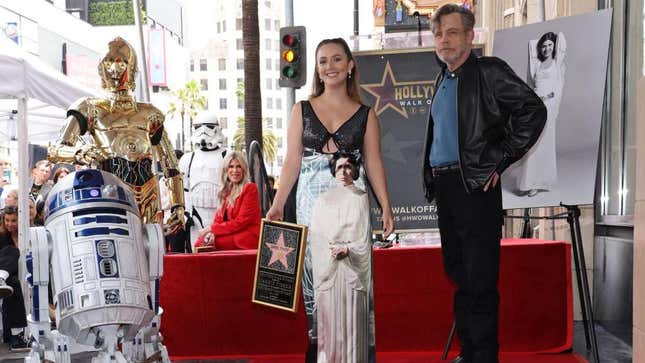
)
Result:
{"points": [[203, 84], [280, 141], [223, 25], [280, 159], [223, 122], [278, 103], [278, 123], [268, 122], [222, 103], [267, 3], [269, 83], [203, 64], [240, 96], [269, 102], [239, 44], [221, 64], [267, 24], [219, 27], [206, 105], [240, 63], [268, 64], [276, 24], [276, 44], [222, 83], [277, 64], [277, 82], [267, 44], [192, 65], [238, 24]]}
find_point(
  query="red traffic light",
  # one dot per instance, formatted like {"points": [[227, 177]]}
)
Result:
{"points": [[289, 40], [293, 56]]}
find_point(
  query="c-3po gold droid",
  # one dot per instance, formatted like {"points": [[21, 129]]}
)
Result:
{"points": [[125, 136]]}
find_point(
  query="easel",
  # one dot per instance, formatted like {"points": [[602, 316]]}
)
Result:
{"points": [[572, 215]]}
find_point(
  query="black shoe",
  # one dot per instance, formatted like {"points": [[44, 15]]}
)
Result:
{"points": [[17, 343]]}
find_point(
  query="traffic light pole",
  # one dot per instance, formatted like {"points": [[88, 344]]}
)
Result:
{"points": [[291, 92]]}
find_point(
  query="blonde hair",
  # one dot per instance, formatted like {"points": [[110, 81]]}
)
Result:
{"points": [[13, 193], [230, 191], [353, 89]]}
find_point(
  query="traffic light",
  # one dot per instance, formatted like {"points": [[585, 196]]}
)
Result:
{"points": [[293, 56]]}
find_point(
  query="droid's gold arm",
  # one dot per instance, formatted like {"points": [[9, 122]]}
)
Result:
{"points": [[65, 149], [165, 153]]}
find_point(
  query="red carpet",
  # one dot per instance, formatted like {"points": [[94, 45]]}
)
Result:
{"points": [[208, 309], [414, 357]]}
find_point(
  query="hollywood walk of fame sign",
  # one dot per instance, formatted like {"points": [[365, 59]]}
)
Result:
{"points": [[398, 85], [279, 264]]}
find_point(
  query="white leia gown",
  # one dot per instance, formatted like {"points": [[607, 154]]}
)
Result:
{"points": [[539, 169], [342, 287]]}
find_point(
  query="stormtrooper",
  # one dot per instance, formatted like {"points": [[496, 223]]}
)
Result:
{"points": [[105, 267], [202, 171]]}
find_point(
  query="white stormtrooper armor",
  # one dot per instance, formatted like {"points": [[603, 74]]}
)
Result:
{"points": [[202, 171], [105, 268]]}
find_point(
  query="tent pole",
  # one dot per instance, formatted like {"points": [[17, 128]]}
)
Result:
{"points": [[142, 50], [23, 194]]}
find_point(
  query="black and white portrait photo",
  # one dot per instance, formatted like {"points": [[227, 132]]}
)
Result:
{"points": [[539, 170], [567, 71]]}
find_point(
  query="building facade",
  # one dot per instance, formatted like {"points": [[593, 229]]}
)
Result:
{"points": [[218, 67]]}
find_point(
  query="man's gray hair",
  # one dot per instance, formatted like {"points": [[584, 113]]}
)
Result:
{"points": [[467, 16]]}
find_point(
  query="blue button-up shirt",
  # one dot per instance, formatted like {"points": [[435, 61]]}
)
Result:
{"points": [[445, 145]]}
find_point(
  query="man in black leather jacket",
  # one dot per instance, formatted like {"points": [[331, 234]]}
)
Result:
{"points": [[483, 118]]}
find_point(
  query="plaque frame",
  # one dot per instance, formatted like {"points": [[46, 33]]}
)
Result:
{"points": [[296, 235]]}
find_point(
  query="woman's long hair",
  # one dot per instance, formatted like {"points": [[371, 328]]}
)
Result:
{"points": [[318, 87], [230, 191], [547, 36], [10, 209]]}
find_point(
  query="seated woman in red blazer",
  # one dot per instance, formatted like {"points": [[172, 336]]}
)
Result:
{"points": [[236, 225]]}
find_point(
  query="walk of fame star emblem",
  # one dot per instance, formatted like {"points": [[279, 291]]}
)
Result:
{"points": [[386, 92], [279, 251]]}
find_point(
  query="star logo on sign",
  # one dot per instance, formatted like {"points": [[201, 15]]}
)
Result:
{"points": [[279, 251], [384, 93]]}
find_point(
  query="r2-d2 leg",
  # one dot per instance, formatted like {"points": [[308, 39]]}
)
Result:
{"points": [[148, 343], [47, 345]]}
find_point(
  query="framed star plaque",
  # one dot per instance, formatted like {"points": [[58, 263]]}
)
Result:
{"points": [[279, 264]]}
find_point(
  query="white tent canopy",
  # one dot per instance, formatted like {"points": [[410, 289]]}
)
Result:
{"points": [[25, 76], [27, 79]]}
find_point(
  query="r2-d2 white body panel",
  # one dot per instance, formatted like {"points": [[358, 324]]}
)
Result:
{"points": [[99, 264]]}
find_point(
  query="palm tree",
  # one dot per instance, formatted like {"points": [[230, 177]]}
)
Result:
{"points": [[188, 101], [252, 96], [269, 142]]}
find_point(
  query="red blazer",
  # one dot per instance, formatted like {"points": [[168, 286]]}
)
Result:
{"points": [[242, 229]]}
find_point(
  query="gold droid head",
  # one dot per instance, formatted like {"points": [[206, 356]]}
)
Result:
{"points": [[119, 66]]}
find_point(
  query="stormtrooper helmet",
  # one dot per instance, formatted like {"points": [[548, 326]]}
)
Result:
{"points": [[207, 132]]}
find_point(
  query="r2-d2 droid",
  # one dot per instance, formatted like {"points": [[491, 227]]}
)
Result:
{"points": [[105, 271], [202, 170]]}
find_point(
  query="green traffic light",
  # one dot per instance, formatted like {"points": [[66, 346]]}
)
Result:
{"points": [[289, 72]]}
